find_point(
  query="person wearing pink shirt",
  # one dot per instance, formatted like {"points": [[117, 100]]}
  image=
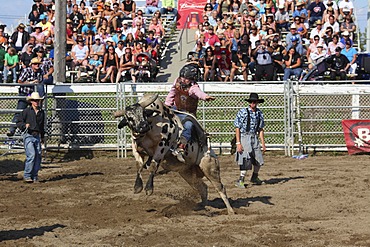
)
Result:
{"points": [[184, 96]]}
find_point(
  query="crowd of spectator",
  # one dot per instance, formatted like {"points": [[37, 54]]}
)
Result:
{"points": [[260, 40], [112, 39]]}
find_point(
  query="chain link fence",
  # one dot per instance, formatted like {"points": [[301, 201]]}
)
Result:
{"points": [[296, 116]]}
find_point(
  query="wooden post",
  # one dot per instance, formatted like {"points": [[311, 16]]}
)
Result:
{"points": [[60, 41]]}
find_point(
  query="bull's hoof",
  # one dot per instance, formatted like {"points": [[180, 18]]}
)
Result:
{"points": [[148, 191], [138, 187]]}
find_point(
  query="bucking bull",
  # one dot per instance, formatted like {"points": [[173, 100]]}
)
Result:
{"points": [[155, 133]]}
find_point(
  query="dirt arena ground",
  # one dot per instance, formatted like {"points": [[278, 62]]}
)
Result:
{"points": [[89, 201]]}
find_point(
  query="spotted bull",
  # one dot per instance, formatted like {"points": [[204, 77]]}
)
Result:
{"points": [[155, 133]]}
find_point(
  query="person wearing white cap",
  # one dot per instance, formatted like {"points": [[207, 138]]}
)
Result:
{"points": [[32, 124], [282, 18]]}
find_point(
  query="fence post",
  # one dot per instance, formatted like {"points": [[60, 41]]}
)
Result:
{"points": [[356, 106]]}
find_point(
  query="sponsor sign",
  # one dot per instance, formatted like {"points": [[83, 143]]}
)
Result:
{"points": [[191, 9], [357, 135]]}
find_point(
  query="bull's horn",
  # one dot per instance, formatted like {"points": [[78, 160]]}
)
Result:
{"points": [[119, 113], [147, 99]]}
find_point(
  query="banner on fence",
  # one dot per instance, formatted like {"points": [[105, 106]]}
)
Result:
{"points": [[357, 135], [192, 9]]}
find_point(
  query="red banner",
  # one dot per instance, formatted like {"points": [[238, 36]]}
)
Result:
{"points": [[192, 9], [357, 135]]}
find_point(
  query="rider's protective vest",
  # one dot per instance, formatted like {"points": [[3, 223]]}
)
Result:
{"points": [[183, 101]]}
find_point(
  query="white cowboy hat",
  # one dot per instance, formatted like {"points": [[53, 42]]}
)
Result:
{"points": [[34, 96]]}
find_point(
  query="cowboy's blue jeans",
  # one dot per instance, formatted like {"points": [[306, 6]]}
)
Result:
{"points": [[188, 125], [32, 146]]}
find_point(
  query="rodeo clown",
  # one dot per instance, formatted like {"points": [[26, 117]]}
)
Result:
{"points": [[184, 96], [249, 124]]}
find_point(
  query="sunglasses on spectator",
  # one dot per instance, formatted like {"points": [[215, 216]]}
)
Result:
{"points": [[317, 39]]}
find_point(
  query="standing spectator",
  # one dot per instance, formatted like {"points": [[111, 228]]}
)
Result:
{"points": [[31, 123], [264, 64], [282, 18], [315, 11], [110, 64], [19, 38], [293, 64], [351, 54], [11, 62], [339, 65], [29, 78], [249, 124]]}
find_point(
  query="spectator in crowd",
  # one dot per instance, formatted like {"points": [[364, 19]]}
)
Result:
{"points": [[19, 38], [270, 21], [315, 11], [126, 30], [120, 49], [345, 9], [34, 18], [151, 6], [209, 64], [80, 54], [110, 64], [301, 10], [129, 41], [327, 13], [289, 36], [138, 29], [126, 64], [139, 18], [254, 37], [39, 35], [345, 38], [210, 37], [282, 18], [38, 6], [77, 18], [156, 27], [339, 65], [3, 38], [249, 124], [238, 66], [223, 64], [200, 31], [88, 27], [313, 46], [30, 78], [31, 41], [69, 8], [32, 124], [98, 48], [47, 69], [278, 53], [349, 26], [293, 64], [95, 16], [301, 27], [333, 4], [118, 36], [351, 54], [11, 62], [317, 31], [45, 25], [26, 57], [334, 44], [169, 7], [212, 19], [296, 45], [2, 57], [263, 59], [317, 56], [108, 14], [84, 11], [95, 65], [333, 24], [129, 9], [253, 20]]}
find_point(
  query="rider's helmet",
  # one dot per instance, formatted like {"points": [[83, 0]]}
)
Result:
{"points": [[190, 71]]}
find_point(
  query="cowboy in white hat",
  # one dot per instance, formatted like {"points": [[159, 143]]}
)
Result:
{"points": [[32, 124]]}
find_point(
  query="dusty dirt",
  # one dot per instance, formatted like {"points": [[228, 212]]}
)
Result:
{"points": [[319, 201]]}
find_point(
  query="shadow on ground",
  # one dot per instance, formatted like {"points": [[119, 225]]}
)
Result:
{"points": [[28, 232]]}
